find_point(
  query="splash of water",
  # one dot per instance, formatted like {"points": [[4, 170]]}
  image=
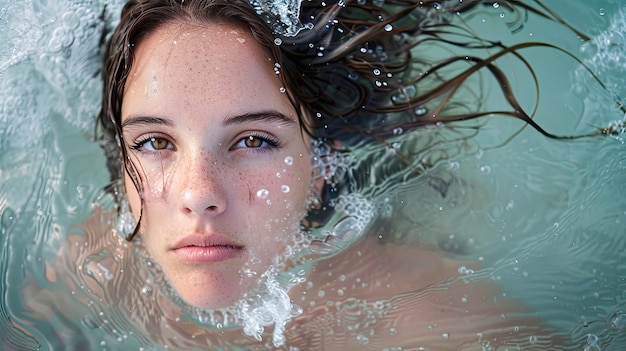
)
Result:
{"points": [[329, 164], [604, 55], [274, 308], [282, 16], [49, 65]]}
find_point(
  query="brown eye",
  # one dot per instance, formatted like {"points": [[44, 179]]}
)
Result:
{"points": [[257, 143], [159, 143], [253, 142], [152, 144]]}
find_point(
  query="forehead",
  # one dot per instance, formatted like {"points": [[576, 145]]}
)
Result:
{"points": [[204, 66], [197, 48]]}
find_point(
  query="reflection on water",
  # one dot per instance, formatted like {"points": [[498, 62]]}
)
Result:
{"points": [[527, 232]]}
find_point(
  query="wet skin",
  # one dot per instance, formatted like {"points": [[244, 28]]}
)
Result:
{"points": [[225, 168]]}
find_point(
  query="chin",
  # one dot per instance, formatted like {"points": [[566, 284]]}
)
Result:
{"points": [[212, 290]]}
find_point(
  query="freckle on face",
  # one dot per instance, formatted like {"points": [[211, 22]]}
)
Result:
{"points": [[197, 100]]}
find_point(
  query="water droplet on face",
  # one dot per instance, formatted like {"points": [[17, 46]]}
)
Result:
{"points": [[285, 188], [263, 193], [282, 89], [289, 160]]}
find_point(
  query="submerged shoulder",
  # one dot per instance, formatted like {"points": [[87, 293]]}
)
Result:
{"points": [[406, 296]]}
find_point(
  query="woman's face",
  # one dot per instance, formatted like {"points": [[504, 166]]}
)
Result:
{"points": [[225, 167]]}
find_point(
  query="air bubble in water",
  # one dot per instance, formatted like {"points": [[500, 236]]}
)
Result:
{"points": [[7, 219], [263, 193], [146, 290], [278, 41], [420, 111], [285, 188], [618, 320], [592, 343], [399, 98], [388, 27], [289, 160]]}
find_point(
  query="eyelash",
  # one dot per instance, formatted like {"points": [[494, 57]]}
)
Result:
{"points": [[139, 144], [267, 138], [273, 142]]}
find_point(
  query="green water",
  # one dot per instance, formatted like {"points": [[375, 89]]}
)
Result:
{"points": [[545, 219]]}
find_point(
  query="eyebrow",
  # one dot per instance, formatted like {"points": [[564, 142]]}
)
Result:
{"points": [[147, 120], [263, 116]]}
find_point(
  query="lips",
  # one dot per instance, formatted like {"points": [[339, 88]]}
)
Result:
{"points": [[199, 249]]}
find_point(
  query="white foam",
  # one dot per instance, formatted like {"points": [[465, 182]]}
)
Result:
{"points": [[604, 55], [49, 66], [287, 11]]}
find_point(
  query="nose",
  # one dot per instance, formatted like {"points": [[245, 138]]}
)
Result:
{"points": [[202, 189]]}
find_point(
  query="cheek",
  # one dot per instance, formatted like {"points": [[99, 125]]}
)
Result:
{"points": [[133, 197], [283, 188]]}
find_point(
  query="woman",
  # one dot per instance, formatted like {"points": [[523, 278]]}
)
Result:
{"points": [[225, 122]]}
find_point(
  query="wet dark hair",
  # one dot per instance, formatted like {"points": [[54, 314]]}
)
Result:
{"points": [[357, 72], [142, 17]]}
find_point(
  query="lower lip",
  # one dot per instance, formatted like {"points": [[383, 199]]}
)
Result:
{"points": [[208, 254]]}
